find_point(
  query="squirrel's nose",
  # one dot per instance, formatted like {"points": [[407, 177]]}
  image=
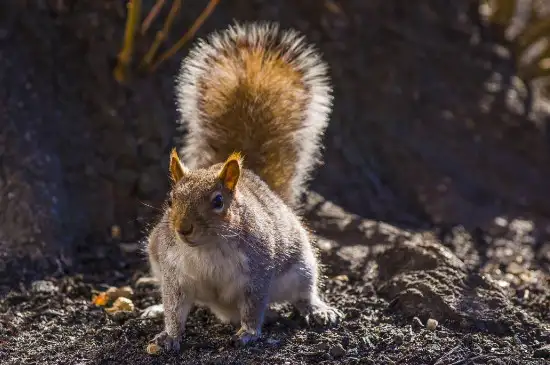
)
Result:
{"points": [[185, 228]]}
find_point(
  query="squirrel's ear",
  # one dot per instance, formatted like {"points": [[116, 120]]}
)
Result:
{"points": [[231, 171], [177, 170]]}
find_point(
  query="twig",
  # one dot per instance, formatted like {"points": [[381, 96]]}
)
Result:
{"points": [[162, 34], [155, 10], [125, 55], [187, 36], [470, 359], [440, 360]]}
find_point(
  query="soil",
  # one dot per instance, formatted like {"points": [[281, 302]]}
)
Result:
{"points": [[432, 203]]}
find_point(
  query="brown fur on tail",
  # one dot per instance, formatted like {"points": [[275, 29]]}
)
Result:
{"points": [[259, 91]]}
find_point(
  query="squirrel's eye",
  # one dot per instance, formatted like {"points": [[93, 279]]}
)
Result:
{"points": [[217, 202]]}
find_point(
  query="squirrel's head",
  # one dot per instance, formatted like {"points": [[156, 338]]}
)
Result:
{"points": [[201, 200]]}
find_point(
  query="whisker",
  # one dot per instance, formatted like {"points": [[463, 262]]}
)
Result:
{"points": [[150, 206]]}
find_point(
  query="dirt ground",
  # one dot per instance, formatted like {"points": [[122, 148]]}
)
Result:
{"points": [[433, 201]]}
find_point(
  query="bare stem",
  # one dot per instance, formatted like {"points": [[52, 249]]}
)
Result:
{"points": [[125, 55], [187, 36], [155, 10], [162, 34]]}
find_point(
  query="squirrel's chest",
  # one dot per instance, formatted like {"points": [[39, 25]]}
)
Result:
{"points": [[216, 275]]}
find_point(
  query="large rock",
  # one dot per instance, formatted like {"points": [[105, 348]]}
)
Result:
{"points": [[422, 278]]}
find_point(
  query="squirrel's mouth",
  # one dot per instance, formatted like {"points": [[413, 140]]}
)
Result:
{"points": [[188, 240]]}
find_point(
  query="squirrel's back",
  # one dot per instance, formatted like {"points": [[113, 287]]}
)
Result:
{"points": [[262, 92]]}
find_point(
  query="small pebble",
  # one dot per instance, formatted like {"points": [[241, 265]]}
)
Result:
{"points": [[342, 278], [431, 324], [43, 286], [153, 349], [152, 312], [337, 351]]}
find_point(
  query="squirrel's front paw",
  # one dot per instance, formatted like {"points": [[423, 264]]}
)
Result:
{"points": [[325, 315], [244, 337], [167, 342]]}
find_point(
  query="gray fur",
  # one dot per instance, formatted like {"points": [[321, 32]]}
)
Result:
{"points": [[256, 251], [265, 257]]}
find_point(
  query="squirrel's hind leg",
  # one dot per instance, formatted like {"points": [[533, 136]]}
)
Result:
{"points": [[312, 307]]}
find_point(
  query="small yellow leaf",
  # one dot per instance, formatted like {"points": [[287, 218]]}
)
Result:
{"points": [[343, 278], [121, 305], [100, 299]]}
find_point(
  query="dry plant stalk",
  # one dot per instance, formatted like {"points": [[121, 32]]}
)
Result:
{"points": [[187, 36], [132, 23], [162, 34], [155, 10], [125, 56]]}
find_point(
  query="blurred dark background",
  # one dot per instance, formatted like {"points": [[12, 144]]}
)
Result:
{"points": [[428, 126]]}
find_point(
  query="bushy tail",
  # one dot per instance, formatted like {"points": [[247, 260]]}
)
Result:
{"points": [[261, 91]]}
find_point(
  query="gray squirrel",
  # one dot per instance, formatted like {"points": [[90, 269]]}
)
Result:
{"points": [[255, 101]]}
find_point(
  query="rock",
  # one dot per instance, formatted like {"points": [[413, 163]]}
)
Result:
{"points": [[423, 278], [146, 281], [542, 352], [337, 351], [431, 324], [153, 312], [43, 286]]}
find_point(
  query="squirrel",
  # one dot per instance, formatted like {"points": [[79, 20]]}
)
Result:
{"points": [[255, 102]]}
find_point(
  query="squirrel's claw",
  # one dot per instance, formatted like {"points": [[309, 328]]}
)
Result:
{"points": [[167, 342], [244, 337]]}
